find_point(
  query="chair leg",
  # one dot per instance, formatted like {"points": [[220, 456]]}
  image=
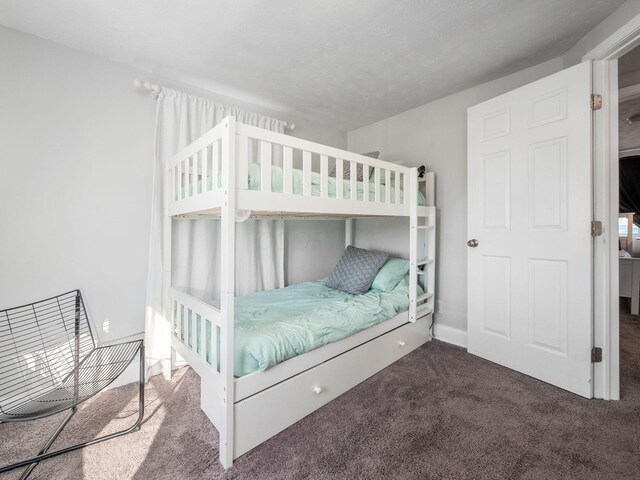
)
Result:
{"points": [[47, 445], [43, 455]]}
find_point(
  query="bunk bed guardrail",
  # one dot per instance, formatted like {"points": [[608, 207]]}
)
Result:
{"points": [[196, 175], [197, 325]]}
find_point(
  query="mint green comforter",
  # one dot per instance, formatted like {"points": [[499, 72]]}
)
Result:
{"points": [[277, 184], [276, 325]]}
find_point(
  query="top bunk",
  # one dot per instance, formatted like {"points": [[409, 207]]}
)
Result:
{"points": [[265, 174]]}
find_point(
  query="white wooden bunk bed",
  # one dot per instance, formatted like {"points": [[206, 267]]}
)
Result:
{"points": [[209, 178]]}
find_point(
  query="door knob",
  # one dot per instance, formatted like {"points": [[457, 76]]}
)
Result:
{"points": [[473, 243]]}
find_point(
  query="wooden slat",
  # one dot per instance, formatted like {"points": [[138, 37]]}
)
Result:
{"points": [[215, 341], [208, 344], [265, 166], [287, 170], [365, 183], [242, 162], [396, 185], [354, 179], [306, 173], [172, 315], [180, 181], [405, 182], [215, 165], [174, 184], [204, 158], [377, 184], [193, 166], [187, 175], [197, 342], [339, 178], [324, 176], [387, 185], [180, 332], [185, 171]]}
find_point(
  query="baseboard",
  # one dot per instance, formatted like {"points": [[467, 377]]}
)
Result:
{"points": [[452, 335]]}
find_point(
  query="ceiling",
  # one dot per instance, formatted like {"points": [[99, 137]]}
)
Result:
{"points": [[344, 63]]}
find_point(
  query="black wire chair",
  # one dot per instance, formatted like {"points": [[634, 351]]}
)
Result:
{"points": [[49, 363]]}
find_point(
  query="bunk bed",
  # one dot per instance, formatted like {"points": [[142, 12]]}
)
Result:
{"points": [[213, 178]]}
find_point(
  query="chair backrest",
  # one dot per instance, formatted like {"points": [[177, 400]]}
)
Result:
{"points": [[40, 344]]}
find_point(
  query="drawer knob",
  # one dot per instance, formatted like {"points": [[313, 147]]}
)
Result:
{"points": [[317, 389], [401, 343]]}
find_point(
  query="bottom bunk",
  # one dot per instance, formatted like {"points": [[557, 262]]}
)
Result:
{"points": [[273, 326], [296, 349]]}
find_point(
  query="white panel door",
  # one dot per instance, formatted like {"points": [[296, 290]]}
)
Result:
{"points": [[529, 194]]}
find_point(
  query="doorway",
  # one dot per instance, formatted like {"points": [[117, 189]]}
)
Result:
{"points": [[605, 60], [629, 215]]}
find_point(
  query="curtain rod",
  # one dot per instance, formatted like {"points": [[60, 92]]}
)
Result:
{"points": [[154, 90]]}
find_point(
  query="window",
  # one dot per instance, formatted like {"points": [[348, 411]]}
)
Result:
{"points": [[623, 227]]}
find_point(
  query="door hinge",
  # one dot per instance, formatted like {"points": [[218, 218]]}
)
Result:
{"points": [[596, 355], [596, 228], [596, 101]]}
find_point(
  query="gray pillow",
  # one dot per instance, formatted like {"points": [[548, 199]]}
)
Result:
{"points": [[346, 172], [356, 270]]}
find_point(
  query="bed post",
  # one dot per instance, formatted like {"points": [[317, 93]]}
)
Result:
{"points": [[430, 189], [413, 242], [227, 288], [348, 232]]}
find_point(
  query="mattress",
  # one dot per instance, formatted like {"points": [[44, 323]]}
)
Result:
{"points": [[276, 325], [254, 182]]}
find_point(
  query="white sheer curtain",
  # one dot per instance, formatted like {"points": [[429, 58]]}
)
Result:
{"points": [[180, 119]]}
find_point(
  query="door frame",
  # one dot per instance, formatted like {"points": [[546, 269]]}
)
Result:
{"points": [[606, 331]]}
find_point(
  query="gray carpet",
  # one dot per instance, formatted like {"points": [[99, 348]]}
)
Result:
{"points": [[439, 413]]}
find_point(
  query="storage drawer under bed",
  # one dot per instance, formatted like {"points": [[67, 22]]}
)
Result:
{"points": [[270, 411]]}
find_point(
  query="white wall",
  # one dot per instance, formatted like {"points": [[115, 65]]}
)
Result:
{"points": [[76, 157], [435, 135], [604, 29], [75, 181]]}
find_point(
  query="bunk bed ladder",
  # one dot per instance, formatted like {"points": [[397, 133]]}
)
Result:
{"points": [[421, 248]]}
